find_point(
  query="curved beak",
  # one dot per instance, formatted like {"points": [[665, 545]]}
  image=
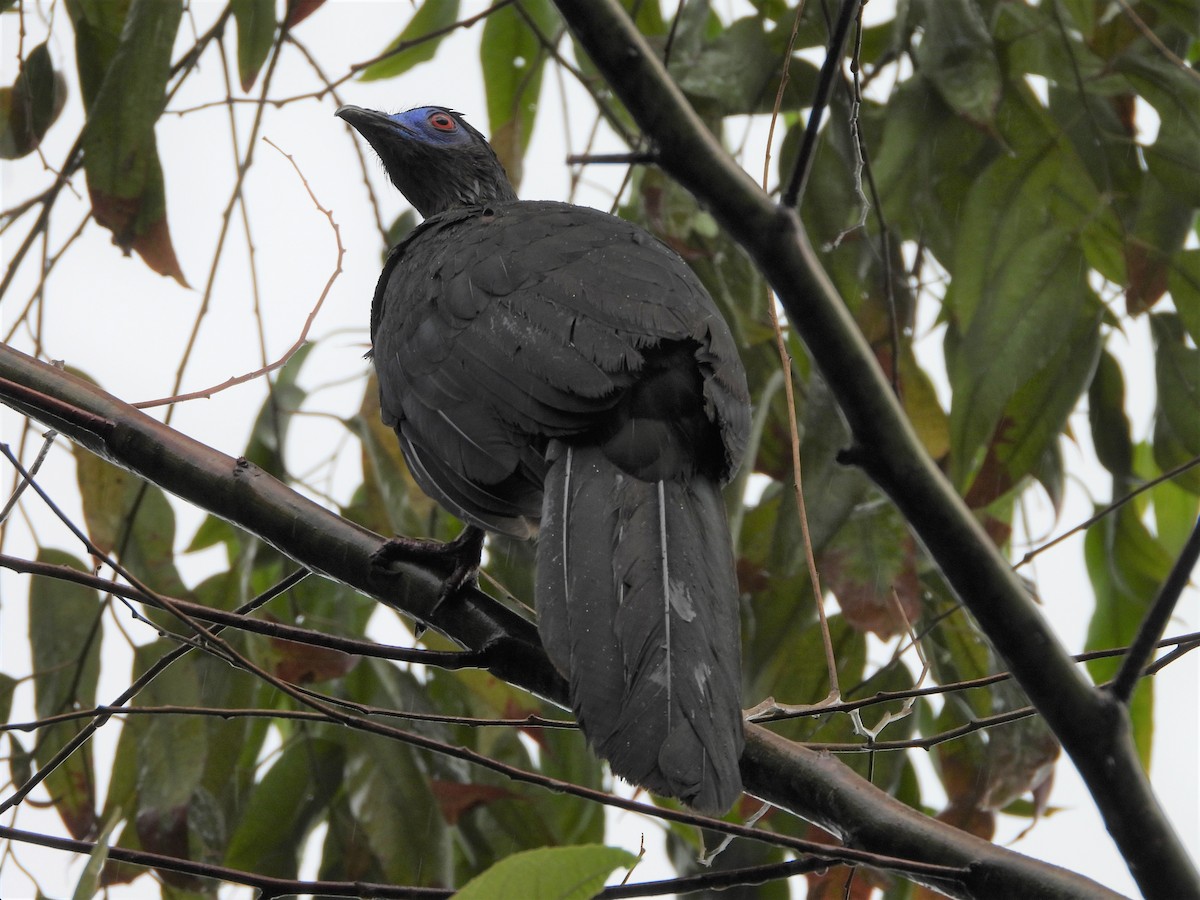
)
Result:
{"points": [[369, 121]]}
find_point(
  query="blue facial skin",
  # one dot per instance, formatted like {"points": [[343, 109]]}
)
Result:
{"points": [[432, 124]]}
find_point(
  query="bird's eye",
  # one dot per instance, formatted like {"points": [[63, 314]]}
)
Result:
{"points": [[441, 121]]}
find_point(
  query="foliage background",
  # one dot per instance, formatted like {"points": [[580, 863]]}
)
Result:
{"points": [[125, 327]]}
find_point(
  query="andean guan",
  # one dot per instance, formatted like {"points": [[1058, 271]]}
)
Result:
{"points": [[549, 364]]}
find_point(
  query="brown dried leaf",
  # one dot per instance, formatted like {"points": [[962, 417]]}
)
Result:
{"points": [[153, 244], [298, 663], [1147, 270], [455, 798], [299, 10]]}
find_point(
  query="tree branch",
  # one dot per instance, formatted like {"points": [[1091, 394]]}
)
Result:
{"points": [[1092, 725], [804, 782], [830, 69], [240, 492], [1156, 619]]}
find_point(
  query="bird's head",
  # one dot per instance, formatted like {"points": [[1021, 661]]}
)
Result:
{"points": [[433, 156]]}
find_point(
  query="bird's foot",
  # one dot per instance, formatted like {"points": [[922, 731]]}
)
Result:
{"points": [[458, 559]]}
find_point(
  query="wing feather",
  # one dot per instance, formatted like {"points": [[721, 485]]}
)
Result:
{"points": [[496, 330]]}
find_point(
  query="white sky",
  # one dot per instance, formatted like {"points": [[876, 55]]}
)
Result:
{"points": [[126, 327]]}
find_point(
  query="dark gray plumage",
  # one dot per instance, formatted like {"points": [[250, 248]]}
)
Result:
{"points": [[548, 363]]}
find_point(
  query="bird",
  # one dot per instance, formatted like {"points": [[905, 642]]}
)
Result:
{"points": [[557, 372]]}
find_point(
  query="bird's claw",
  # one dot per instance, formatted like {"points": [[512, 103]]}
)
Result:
{"points": [[457, 559]]}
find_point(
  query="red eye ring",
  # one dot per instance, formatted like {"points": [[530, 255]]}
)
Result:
{"points": [[442, 121]]}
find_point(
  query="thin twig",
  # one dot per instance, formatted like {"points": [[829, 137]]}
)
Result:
{"points": [[785, 364], [443, 659], [972, 725], [356, 68], [271, 886], [23, 482], [356, 146], [1156, 618], [243, 168], [1154, 39], [1112, 507], [295, 715], [876, 203], [775, 712], [829, 70], [308, 322]]}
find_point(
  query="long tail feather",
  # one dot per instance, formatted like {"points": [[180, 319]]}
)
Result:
{"points": [[637, 607]]}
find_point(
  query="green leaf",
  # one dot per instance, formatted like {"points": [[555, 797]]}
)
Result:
{"points": [[926, 164], [184, 780], [1177, 372], [1106, 413], [172, 751], [1020, 755], [1035, 43], [957, 55], [494, 816], [213, 531], [8, 684], [871, 567], [960, 764], [513, 60], [1126, 565], [160, 760], [1173, 160], [922, 405], [956, 649], [795, 672], [1083, 13], [1025, 311], [1019, 285], [391, 500], [388, 784], [30, 106], [551, 873], [256, 33], [133, 520], [1175, 507], [1167, 86], [737, 72], [89, 883], [1038, 411], [269, 435], [64, 635], [97, 35], [284, 806], [647, 16], [431, 16], [231, 745], [1162, 222], [124, 64], [1184, 285]]}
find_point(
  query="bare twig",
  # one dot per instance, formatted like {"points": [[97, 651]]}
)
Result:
{"points": [[312, 315], [847, 14], [1112, 507], [1156, 618], [785, 366], [23, 482]]}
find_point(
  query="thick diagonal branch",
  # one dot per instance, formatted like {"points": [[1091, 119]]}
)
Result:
{"points": [[1092, 725]]}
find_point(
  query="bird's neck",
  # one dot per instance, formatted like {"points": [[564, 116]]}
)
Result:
{"points": [[436, 184]]}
